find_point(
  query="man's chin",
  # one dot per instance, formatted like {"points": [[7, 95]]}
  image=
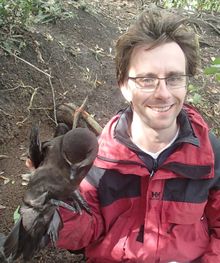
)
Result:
{"points": [[160, 124]]}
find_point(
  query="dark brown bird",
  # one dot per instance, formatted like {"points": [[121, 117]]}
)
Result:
{"points": [[61, 165], [36, 147]]}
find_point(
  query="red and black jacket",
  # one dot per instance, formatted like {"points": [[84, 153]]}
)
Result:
{"points": [[147, 210]]}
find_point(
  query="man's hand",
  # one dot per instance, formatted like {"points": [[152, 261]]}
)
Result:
{"points": [[29, 164]]}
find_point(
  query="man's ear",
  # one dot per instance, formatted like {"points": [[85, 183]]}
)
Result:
{"points": [[126, 92]]}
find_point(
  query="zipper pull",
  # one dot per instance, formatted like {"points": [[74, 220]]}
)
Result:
{"points": [[154, 169], [152, 173]]}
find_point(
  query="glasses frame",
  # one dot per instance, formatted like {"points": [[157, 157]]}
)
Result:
{"points": [[158, 81]]}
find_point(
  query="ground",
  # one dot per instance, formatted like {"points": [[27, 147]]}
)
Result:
{"points": [[77, 56]]}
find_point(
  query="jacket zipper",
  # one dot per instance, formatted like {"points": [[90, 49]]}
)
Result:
{"points": [[154, 169]]}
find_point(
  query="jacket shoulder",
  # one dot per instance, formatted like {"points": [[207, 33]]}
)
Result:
{"points": [[215, 142]]}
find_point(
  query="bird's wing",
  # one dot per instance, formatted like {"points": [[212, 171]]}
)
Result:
{"points": [[11, 244]]}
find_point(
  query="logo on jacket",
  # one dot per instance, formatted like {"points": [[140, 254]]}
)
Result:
{"points": [[155, 195]]}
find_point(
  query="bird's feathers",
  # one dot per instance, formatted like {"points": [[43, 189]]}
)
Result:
{"points": [[12, 241], [35, 153], [61, 165]]}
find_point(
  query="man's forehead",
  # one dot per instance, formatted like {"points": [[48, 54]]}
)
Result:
{"points": [[149, 48], [166, 57]]}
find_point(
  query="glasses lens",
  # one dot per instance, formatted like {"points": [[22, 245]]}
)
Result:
{"points": [[146, 83], [176, 81], [150, 84]]}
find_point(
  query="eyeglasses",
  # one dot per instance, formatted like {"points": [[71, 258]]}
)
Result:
{"points": [[150, 84]]}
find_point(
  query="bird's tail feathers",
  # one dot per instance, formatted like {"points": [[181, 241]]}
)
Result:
{"points": [[11, 244], [54, 227]]}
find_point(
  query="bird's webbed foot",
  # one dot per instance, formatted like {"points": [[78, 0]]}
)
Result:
{"points": [[80, 203], [63, 204], [77, 203]]}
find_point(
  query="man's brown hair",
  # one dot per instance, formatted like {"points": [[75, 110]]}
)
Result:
{"points": [[155, 27]]}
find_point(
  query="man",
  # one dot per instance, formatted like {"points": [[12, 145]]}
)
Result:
{"points": [[154, 190]]}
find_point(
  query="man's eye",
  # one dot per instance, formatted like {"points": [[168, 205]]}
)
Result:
{"points": [[175, 79], [147, 81]]}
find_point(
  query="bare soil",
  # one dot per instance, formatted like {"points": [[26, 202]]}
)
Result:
{"points": [[78, 53]]}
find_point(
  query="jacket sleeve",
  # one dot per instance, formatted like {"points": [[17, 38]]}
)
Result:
{"points": [[213, 210], [80, 230]]}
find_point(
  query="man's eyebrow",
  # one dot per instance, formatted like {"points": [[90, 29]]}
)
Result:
{"points": [[154, 75], [147, 75], [174, 73]]}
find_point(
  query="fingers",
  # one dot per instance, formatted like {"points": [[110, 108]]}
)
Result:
{"points": [[29, 164]]}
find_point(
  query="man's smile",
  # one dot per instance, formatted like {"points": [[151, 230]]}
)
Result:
{"points": [[161, 108]]}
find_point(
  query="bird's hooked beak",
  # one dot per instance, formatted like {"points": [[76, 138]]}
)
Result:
{"points": [[36, 202], [78, 170], [73, 172]]}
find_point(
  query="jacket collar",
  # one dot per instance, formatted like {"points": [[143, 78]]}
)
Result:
{"points": [[122, 129], [117, 151]]}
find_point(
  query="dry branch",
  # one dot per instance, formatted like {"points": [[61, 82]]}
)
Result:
{"points": [[64, 114], [29, 106], [26, 62], [4, 156], [78, 111]]}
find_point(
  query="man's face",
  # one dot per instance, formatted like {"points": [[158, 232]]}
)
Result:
{"points": [[157, 109]]}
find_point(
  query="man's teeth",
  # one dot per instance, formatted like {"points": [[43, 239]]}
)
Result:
{"points": [[161, 109]]}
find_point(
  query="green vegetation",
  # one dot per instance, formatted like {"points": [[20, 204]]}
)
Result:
{"points": [[16, 16], [194, 96], [214, 69], [199, 5], [194, 92]]}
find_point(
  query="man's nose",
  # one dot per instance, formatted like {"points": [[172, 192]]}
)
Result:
{"points": [[162, 91]]}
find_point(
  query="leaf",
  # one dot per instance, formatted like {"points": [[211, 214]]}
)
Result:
{"points": [[212, 70], [195, 99], [218, 76], [216, 61], [192, 88], [16, 214]]}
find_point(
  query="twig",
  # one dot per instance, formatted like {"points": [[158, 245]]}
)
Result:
{"points": [[206, 43], [6, 113], [3, 156], [11, 89], [32, 98], [41, 108], [29, 107], [213, 27], [21, 85], [90, 120], [50, 117], [25, 61], [45, 73], [78, 111], [65, 115], [54, 101]]}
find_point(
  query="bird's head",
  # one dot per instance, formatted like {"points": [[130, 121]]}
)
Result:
{"points": [[79, 149]]}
